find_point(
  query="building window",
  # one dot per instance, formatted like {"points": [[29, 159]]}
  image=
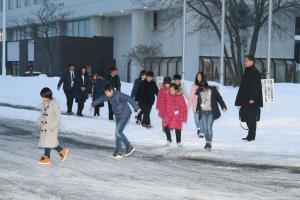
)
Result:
{"points": [[18, 2], [27, 3], [155, 20], [10, 4], [1, 5], [297, 26], [79, 28], [36, 2]]}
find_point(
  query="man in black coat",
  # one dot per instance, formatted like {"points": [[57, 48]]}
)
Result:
{"points": [[249, 96], [114, 79], [67, 79], [146, 98]]}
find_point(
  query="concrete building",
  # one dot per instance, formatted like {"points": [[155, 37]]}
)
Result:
{"points": [[126, 25]]}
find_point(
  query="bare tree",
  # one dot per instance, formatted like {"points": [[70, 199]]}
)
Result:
{"points": [[49, 19], [140, 52], [244, 19]]}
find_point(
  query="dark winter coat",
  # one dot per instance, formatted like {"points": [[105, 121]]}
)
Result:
{"points": [[146, 92], [250, 89], [216, 99], [115, 81], [78, 94], [98, 89], [119, 103], [66, 80], [135, 88]]}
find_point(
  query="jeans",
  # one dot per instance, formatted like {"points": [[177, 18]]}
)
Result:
{"points": [[120, 137], [199, 123], [48, 150], [208, 121], [97, 110]]}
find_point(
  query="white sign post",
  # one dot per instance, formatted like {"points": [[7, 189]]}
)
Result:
{"points": [[268, 91], [159, 81]]}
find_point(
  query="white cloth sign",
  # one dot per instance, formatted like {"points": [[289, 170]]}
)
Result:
{"points": [[268, 90]]}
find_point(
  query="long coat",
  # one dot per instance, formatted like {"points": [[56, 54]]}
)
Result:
{"points": [[48, 124], [98, 89], [146, 92], [119, 103], [136, 86], [175, 103], [215, 99], [250, 89], [161, 101], [78, 94], [114, 81]]}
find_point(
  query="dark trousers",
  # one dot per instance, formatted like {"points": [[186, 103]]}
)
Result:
{"points": [[70, 98], [110, 112], [168, 134], [80, 102], [251, 114], [144, 116], [48, 150], [97, 110]]}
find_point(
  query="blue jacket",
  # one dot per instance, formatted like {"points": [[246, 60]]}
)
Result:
{"points": [[98, 88], [119, 103], [135, 88], [66, 80]]}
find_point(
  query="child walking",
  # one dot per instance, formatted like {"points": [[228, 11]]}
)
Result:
{"points": [[176, 115], [98, 91], [121, 109], [208, 109], [48, 124], [192, 102]]}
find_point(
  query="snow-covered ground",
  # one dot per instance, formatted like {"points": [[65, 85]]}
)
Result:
{"points": [[278, 134]]}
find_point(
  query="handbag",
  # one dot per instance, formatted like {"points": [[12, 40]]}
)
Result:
{"points": [[243, 114]]}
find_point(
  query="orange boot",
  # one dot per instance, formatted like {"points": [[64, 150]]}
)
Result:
{"points": [[44, 160], [63, 154]]}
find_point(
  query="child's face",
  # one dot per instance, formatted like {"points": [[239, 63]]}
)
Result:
{"points": [[199, 77], [144, 77], [167, 85], [149, 78], [109, 93], [177, 82], [172, 91], [45, 99]]}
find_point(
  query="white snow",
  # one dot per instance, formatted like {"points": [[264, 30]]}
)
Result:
{"points": [[278, 134]]}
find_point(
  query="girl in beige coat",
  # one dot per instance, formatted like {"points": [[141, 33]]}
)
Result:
{"points": [[48, 124]]}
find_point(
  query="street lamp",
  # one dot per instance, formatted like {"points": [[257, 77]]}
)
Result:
{"points": [[183, 39], [269, 39], [222, 44], [4, 38]]}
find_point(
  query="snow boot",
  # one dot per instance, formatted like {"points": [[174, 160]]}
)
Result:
{"points": [[45, 160], [63, 154]]}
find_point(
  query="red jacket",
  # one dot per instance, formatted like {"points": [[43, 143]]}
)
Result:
{"points": [[175, 103], [161, 102]]}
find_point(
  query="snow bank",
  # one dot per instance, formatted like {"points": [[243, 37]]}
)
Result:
{"points": [[278, 132]]}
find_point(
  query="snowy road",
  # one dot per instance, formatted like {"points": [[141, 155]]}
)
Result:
{"points": [[89, 173]]}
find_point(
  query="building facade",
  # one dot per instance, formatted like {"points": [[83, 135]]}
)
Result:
{"points": [[129, 25]]}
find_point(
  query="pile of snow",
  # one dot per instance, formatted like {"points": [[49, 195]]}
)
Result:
{"points": [[278, 132]]}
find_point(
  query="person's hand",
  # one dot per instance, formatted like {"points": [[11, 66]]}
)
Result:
{"points": [[139, 110], [91, 109], [82, 89], [38, 126], [176, 112], [51, 129], [224, 109], [251, 101]]}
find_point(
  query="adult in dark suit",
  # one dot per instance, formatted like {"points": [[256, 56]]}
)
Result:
{"points": [[82, 89], [249, 96], [67, 79], [114, 79]]}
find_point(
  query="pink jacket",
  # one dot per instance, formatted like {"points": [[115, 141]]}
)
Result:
{"points": [[175, 103], [192, 99], [161, 101]]}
